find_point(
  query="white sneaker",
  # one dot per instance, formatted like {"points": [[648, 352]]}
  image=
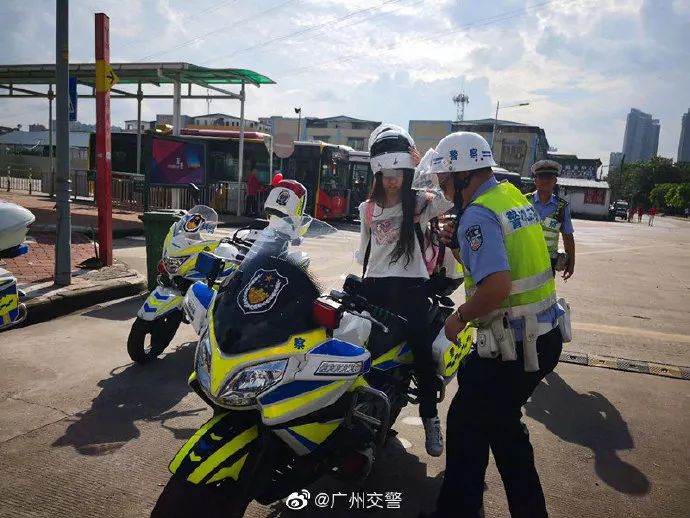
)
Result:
{"points": [[434, 436]]}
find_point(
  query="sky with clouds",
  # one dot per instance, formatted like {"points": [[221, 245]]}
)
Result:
{"points": [[581, 64]]}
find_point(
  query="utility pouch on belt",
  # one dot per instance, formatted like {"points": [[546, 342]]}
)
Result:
{"points": [[564, 321], [505, 338], [529, 344], [487, 347]]}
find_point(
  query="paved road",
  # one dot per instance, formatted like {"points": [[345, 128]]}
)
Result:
{"points": [[85, 433]]}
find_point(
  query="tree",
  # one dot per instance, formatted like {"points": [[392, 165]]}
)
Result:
{"points": [[636, 181], [657, 198], [679, 196]]}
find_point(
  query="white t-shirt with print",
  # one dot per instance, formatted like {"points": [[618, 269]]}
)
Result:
{"points": [[385, 232]]}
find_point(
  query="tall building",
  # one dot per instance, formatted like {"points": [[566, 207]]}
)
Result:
{"points": [[615, 160], [641, 140], [684, 143]]}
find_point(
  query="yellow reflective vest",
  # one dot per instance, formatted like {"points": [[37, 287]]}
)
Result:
{"points": [[551, 225], [533, 288]]}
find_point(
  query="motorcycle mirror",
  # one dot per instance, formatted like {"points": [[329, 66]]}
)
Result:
{"points": [[195, 192], [210, 265]]}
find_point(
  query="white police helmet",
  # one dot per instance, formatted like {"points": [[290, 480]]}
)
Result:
{"points": [[287, 198], [461, 151]]}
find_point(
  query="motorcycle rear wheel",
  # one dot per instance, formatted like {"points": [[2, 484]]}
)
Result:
{"points": [[161, 331], [183, 499]]}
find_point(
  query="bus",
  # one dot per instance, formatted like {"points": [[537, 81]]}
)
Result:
{"points": [[336, 177]]}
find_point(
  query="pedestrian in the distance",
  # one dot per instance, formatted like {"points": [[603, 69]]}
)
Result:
{"points": [[640, 211], [631, 213], [253, 186], [652, 213]]}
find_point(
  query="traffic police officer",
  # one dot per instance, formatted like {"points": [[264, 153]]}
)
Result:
{"points": [[508, 281], [554, 213]]}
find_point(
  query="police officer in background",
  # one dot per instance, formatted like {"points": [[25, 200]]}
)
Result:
{"points": [[555, 216], [510, 295]]}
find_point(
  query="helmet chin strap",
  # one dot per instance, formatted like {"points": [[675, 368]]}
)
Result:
{"points": [[461, 184]]}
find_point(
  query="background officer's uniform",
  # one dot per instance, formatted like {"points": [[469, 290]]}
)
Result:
{"points": [[487, 410], [553, 215]]}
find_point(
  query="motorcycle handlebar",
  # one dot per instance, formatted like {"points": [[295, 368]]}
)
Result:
{"points": [[357, 304]]}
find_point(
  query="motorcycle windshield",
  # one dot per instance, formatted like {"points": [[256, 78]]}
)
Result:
{"points": [[197, 223], [269, 298]]}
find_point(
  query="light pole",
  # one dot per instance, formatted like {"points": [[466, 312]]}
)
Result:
{"points": [[493, 131], [299, 121]]}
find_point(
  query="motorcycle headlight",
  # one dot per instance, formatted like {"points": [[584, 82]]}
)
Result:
{"points": [[172, 264], [203, 362], [243, 388]]}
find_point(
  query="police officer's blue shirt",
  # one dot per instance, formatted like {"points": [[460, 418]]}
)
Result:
{"points": [[490, 256], [546, 209]]}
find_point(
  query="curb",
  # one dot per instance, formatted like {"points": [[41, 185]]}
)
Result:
{"points": [[49, 306], [623, 364], [81, 229]]}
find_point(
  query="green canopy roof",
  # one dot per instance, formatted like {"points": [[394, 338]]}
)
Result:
{"points": [[133, 73]]}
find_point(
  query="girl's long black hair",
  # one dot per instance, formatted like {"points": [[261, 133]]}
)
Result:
{"points": [[405, 245]]}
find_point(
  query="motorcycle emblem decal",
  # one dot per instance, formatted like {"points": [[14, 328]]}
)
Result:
{"points": [[283, 197], [474, 237], [261, 292], [299, 343], [194, 223]]}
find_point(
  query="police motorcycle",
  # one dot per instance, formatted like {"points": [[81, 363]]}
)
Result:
{"points": [[291, 401], [14, 225], [161, 313]]}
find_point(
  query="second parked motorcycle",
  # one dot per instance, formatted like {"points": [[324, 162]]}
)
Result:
{"points": [[161, 314]]}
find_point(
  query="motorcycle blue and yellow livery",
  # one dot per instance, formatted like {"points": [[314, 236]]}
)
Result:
{"points": [[14, 225], [291, 402], [161, 314]]}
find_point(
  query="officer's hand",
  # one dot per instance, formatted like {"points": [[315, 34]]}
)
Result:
{"points": [[569, 269], [447, 231], [453, 327]]}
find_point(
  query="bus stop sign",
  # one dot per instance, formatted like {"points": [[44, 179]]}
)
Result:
{"points": [[72, 98], [283, 145]]}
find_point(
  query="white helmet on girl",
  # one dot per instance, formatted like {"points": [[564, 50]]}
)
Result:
{"points": [[389, 148], [461, 151]]}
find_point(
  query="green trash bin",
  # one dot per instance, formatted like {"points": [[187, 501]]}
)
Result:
{"points": [[156, 227]]}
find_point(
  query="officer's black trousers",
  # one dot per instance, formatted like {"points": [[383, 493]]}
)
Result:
{"points": [[486, 413]]}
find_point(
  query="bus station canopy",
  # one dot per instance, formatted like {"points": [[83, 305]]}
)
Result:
{"points": [[129, 73]]}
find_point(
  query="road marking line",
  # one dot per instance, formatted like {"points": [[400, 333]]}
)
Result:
{"points": [[630, 331]]}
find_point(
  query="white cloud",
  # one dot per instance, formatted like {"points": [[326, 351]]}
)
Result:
{"points": [[581, 63]]}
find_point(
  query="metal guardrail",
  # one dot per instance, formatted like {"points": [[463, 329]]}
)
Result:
{"points": [[128, 190], [21, 179]]}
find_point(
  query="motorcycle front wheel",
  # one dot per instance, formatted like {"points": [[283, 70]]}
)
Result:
{"points": [[183, 499], [149, 338]]}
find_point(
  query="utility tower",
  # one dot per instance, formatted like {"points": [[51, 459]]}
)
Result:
{"points": [[460, 101]]}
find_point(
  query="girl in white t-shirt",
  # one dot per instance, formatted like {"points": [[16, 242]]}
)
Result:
{"points": [[395, 271]]}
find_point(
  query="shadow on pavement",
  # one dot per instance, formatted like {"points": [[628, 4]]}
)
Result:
{"points": [[132, 393], [396, 471], [589, 420], [124, 310]]}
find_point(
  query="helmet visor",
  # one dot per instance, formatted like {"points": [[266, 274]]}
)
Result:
{"points": [[392, 144]]}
